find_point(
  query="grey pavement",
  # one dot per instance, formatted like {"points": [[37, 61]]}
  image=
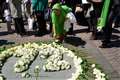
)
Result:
{"points": [[108, 58]]}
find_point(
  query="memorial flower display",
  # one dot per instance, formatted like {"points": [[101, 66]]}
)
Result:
{"points": [[2, 77], [54, 56]]}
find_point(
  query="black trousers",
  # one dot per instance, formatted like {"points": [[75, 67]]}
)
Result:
{"points": [[113, 12], [95, 14], [117, 20], [19, 26], [41, 21], [108, 27]]}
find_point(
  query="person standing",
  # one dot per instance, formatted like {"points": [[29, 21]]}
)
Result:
{"points": [[7, 15], [16, 12], [95, 14], [38, 7], [2, 2], [114, 10]]}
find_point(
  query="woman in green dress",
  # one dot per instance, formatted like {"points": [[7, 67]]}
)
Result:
{"points": [[58, 16]]}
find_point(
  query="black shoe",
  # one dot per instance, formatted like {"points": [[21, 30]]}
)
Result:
{"points": [[70, 33], [105, 46], [39, 34], [116, 26], [23, 34]]}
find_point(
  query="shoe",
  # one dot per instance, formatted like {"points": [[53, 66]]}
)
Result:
{"points": [[23, 34], [45, 31], [11, 31], [39, 34], [93, 37], [105, 46], [70, 33]]}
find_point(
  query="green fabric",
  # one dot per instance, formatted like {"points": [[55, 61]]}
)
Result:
{"points": [[39, 5], [56, 6], [58, 21], [66, 9], [103, 17]]}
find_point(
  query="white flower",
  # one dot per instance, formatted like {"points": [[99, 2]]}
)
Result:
{"points": [[70, 54], [79, 60], [102, 74], [37, 68], [20, 62], [44, 68], [93, 65], [68, 67], [96, 71], [25, 75], [98, 74], [2, 56], [2, 77]]}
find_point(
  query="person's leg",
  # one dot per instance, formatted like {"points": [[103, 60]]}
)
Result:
{"points": [[108, 28], [70, 31], [9, 26], [108, 31], [21, 26], [95, 14], [16, 25], [93, 25], [41, 23], [89, 24]]}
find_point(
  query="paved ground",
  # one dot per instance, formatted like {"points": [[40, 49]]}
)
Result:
{"points": [[109, 58]]}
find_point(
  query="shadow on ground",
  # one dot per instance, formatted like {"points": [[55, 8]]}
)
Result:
{"points": [[115, 30], [115, 43], [115, 37], [80, 31], [75, 41], [5, 42], [5, 33]]}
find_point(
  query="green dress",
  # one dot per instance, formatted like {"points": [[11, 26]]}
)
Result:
{"points": [[58, 21], [103, 17]]}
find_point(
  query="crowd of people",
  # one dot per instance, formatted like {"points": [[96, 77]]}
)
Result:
{"points": [[61, 16]]}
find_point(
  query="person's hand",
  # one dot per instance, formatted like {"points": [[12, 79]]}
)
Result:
{"points": [[99, 28], [78, 9]]}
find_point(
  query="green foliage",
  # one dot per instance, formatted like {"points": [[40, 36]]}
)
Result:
{"points": [[87, 70]]}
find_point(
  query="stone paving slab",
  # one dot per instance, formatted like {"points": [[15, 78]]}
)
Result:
{"points": [[8, 70], [108, 57]]}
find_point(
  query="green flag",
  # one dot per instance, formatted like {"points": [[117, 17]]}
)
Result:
{"points": [[103, 17]]}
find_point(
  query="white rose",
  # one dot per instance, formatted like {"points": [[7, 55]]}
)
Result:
{"points": [[2, 77], [93, 66]]}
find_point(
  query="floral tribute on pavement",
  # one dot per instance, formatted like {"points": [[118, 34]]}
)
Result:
{"points": [[54, 56]]}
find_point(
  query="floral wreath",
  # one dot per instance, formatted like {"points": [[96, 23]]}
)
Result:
{"points": [[54, 55]]}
